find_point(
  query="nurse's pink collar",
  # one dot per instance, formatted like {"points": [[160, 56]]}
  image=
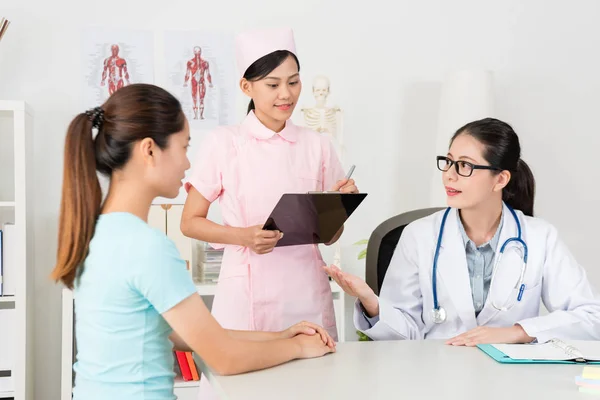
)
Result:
{"points": [[259, 131]]}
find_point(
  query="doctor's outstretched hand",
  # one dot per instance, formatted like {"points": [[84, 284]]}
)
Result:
{"points": [[354, 286], [489, 335]]}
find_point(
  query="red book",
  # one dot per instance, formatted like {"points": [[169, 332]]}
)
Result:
{"points": [[183, 365]]}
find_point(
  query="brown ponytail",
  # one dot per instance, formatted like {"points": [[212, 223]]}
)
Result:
{"points": [[520, 191], [80, 203], [131, 114]]}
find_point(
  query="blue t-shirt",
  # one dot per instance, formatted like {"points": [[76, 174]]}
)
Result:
{"points": [[131, 275]]}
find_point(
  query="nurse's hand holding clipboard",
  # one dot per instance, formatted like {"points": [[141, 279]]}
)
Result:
{"points": [[259, 240], [262, 241]]}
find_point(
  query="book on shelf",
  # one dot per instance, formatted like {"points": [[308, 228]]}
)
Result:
{"points": [[208, 262], [192, 364], [186, 366]]}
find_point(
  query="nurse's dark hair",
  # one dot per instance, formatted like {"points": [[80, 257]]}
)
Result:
{"points": [[131, 114], [503, 150], [262, 67]]}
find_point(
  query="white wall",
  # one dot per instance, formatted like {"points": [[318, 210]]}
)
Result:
{"points": [[386, 60]]}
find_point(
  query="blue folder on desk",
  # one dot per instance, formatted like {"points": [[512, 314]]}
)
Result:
{"points": [[552, 352]]}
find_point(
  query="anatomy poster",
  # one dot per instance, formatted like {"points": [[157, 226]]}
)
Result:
{"points": [[114, 58], [200, 68]]}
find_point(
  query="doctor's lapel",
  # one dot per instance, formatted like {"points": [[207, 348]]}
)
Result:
{"points": [[453, 273], [501, 289]]}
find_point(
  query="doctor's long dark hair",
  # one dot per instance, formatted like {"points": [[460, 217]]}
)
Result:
{"points": [[503, 150], [265, 65], [131, 114]]}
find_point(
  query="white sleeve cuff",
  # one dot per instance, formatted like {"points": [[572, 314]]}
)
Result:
{"points": [[377, 328]]}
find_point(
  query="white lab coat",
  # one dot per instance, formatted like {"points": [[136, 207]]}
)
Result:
{"points": [[553, 276]]}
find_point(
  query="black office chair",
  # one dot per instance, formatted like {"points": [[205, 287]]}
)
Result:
{"points": [[383, 242]]}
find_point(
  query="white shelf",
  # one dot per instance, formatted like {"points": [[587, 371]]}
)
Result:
{"points": [[21, 205], [7, 299], [180, 383], [206, 289], [209, 289], [11, 105]]}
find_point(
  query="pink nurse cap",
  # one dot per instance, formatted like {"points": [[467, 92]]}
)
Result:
{"points": [[254, 44]]}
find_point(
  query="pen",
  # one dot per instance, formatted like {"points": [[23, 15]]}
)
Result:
{"points": [[349, 174]]}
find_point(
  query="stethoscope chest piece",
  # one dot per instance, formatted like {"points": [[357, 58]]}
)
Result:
{"points": [[438, 315]]}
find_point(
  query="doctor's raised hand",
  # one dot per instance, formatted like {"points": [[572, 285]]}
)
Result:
{"points": [[356, 287]]}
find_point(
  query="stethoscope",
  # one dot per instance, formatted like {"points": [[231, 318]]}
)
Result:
{"points": [[438, 313]]}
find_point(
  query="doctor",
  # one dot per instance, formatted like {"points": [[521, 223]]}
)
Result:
{"points": [[476, 294]]}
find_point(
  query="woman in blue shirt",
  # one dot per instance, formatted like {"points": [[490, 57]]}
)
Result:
{"points": [[132, 290]]}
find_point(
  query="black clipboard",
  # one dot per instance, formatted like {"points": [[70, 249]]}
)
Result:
{"points": [[311, 218]]}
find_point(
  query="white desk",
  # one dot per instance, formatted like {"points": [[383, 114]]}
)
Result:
{"points": [[402, 370]]}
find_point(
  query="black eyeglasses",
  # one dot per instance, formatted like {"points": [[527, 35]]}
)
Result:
{"points": [[463, 168]]}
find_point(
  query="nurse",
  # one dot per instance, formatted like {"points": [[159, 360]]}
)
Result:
{"points": [[490, 194], [248, 167]]}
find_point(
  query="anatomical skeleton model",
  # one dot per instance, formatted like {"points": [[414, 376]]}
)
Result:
{"points": [[327, 121]]}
